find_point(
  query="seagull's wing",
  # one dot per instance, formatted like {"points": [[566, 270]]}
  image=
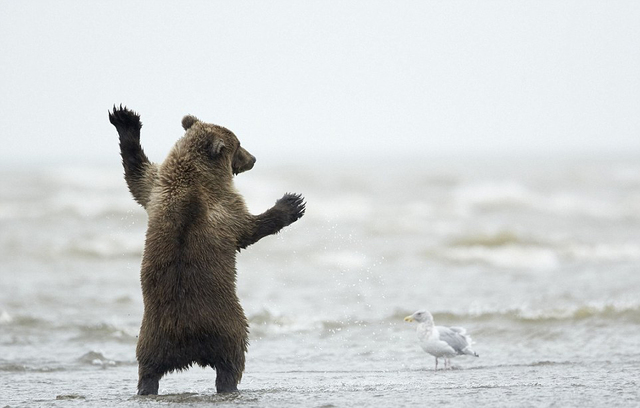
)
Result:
{"points": [[453, 338], [460, 330]]}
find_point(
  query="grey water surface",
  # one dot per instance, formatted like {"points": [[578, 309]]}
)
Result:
{"points": [[538, 259]]}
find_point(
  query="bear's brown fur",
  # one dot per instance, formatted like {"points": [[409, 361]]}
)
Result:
{"points": [[197, 223]]}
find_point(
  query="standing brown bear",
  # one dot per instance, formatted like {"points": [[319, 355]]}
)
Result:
{"points": [[197, 223]]}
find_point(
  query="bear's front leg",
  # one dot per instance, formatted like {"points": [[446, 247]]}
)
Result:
{"points": [[288, 209], [139, 172]]}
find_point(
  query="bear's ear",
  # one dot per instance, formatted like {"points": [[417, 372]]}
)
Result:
{"points": [[188, 121], [216, 146]]}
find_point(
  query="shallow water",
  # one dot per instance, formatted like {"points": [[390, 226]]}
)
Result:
{"points": [[539, 261]]}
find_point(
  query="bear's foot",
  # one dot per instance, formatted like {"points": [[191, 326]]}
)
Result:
{"points": [[226, 380], [224, 390], [148, 386]]}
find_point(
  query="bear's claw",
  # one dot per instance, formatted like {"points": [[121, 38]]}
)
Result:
{"points": [[294, 206], [126, 121]]}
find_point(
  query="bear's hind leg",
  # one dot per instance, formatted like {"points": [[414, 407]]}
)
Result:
{"points": [[227, 377], [148, 381], [226, 381]]}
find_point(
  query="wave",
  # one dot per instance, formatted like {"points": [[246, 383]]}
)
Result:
{"points": [[11, 367], [117, 245], [493, 196], [89, 245], [266, 322], [68, 397], [83, 193], [104, 331], [506, 256], [77, 205], [96, 358], [82, 332], [627, 251], [508, 249], [497, 239], [625, 312], [25, 321]]}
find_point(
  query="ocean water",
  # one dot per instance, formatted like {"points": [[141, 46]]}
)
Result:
{"points": [[538, 259]]}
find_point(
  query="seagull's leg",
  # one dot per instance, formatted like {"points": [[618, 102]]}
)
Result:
{"points": [[436, 364]]}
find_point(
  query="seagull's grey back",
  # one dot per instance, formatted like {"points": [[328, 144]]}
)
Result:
{"points": [[454, 337]]}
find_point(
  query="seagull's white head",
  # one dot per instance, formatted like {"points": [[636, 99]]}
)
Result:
{"points": [[421, 316]]}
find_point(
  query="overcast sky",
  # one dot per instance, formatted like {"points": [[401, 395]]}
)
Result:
{"points": [[338, 78]]}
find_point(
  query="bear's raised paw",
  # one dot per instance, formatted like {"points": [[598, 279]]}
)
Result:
{"points": [[126, 121], [293, 206]]}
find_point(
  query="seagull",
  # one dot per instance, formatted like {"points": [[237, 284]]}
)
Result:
{"points": [[440, 341]]}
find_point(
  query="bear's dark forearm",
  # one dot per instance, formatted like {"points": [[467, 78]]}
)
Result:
{"points": [[139, 171], [134, 160], [287, 210], [136, 164], [140, 180], [267, 223]]}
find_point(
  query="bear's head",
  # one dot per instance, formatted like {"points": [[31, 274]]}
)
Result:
{"points": [[214, 146]]}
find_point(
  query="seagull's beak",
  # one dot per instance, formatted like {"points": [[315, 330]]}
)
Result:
{"points": [[408, 319]]}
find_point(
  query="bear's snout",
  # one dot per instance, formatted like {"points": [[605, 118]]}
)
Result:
{"points": [[243, 161]]}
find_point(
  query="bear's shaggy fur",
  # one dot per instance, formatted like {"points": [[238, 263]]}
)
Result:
{"points": [[197, 223]]}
